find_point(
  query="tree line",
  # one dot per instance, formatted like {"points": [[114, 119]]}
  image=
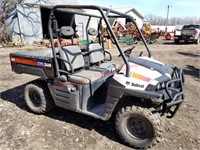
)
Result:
{"points": [[6, 7], [158, 20]]}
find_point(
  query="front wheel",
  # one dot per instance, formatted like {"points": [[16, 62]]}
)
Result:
{"points": [[138, 126]]}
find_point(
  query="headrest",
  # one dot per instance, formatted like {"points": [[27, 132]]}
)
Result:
{"points": [[67, 31], [92, 31]]}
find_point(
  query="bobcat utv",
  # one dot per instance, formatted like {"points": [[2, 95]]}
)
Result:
{"points": [[85, 80]]}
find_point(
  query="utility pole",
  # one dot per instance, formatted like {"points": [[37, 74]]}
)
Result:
{"points": [[167, 19]]}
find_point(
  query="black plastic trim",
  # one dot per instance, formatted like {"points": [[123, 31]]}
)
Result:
{"points": [[19, 68]]}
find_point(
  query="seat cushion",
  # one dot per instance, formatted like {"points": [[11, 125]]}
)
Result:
{"points": [[85, 76]]}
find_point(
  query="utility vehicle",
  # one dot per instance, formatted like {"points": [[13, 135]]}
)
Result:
{"points": [[136, 93]]}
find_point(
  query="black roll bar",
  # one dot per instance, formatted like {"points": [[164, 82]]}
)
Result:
{"points": [[104, 16]]}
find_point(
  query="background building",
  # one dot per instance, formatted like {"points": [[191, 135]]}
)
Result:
{"points": [[28, 20], [132, 12]]}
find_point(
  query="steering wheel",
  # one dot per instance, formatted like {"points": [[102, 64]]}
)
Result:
{"points": [[127, 52]]}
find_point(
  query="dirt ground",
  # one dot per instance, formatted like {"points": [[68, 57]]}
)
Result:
{"points": [[61, 129]]}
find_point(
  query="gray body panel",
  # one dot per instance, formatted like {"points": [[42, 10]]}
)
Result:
{"points": [[64, 96], [88, 99], [163, 69]]}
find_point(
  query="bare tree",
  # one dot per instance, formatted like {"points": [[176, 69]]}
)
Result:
{"points": [[157, 20], [7, 7]]}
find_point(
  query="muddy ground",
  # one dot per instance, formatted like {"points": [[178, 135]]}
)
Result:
{"points": [[61, 129]]}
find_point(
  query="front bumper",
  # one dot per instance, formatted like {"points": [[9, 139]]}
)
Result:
{"points": [[173, 94]]}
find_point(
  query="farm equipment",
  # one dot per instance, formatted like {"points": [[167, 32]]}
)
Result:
{"points": [[129, 32], [169, 36], [149, 35], [136, 93]]}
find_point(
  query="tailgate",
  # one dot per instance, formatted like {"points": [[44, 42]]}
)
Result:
{"points": [[34, 65], [188, 32]]}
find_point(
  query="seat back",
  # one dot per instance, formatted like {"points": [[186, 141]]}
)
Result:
{"points": [[72, 55], [96, 53]]}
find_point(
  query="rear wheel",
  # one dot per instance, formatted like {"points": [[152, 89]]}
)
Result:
{"points": [[176, 41], [38, 97], [138, 126], [186, 42], [197, 41]]}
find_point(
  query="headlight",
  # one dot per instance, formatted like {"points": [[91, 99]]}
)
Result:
{"points": [[157, 87], [163, 85], [160, 86]]}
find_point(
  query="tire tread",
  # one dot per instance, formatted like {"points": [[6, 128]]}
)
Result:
{"points": [[146, 112], [47, 101]]}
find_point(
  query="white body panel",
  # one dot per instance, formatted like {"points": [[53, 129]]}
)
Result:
{"points": [[140, 77]]}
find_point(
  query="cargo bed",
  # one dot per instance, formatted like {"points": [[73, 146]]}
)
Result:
{"points": [[34, 62]]}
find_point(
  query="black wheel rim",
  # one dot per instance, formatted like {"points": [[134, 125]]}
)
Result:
{"points": [[138, 127], [35, 98]]}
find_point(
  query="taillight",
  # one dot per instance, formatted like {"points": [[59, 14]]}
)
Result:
{"points": [[195, 32]]}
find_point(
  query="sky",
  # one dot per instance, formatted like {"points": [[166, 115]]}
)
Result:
{"points": [[177, 8]]}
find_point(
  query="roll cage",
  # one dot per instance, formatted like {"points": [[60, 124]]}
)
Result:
{"points": [[105, 14]]}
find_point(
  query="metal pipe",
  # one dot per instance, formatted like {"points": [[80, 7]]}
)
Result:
{"points": [[87, 7], [141, 36], [87, 36], [78, 13], [174, 103], [116, 42], [105, 17], [51, 15]]}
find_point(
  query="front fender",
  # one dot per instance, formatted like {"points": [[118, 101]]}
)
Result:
{"points": [[117, 90]]}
